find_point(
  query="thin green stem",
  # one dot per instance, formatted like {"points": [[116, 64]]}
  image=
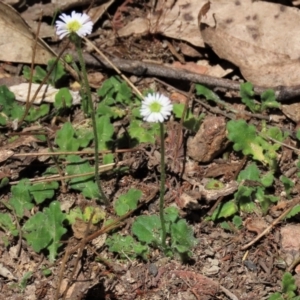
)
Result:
{"points": [[162, 187], [88, 93]]}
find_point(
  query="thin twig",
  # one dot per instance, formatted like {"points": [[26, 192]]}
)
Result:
{"points": [[268, 229], [73, 152], [78, 257]]}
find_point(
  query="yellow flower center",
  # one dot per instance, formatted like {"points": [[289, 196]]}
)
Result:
{"points": [[155, 107], [73, 26]]}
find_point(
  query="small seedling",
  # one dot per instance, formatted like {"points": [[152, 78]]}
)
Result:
{"points": [[288, 291], [127, 202], [126, 246], [268, 99], [247, 140], [147, 229], [236, 224], [253, 186], [45, 229]]}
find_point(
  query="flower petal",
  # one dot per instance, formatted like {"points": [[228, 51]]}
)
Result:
{"points": [[153, 116]]}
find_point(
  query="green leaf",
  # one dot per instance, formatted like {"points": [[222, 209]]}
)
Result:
{"points": [[65, 138], [251, 172], [73, 214], [105, 131], [24, 280], [63, 99], [108, 159], [90, 190], [201, 90], [58, 72], [267, 179], [84, 136], [36, 233], [38, 74], [298, 134], [237, 221], [44, 230], [7, 224], [37, 112], [265, 200], [225, 226], [276, 134], [214, 184], [21, 199], [246, 140], [288, 185], [76, 166], [247, 95], [171, 214], [295, 210], [44, 190], [124, 93], [10, 109], [178, 109], [288, 283], [147, 229], [244, 198], [182, 237], [107, 88], [275, 296], [127, 202], [126, 246], [115, 90], [268, 99], [225, 210], [143, 132], [97, 214]]}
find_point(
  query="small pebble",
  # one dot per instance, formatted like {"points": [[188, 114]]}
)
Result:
{"points": [[153, 270]]}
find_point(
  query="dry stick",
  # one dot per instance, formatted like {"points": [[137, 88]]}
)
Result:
{"points": [[57, 177], [78, 256], [268, 229], [61, 272], [141, 68], [73, 152], [228, 293], [19, 248]]}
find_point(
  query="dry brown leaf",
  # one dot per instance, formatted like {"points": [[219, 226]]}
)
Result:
{"points": [[191, 66], [177, 21], [17, 39], [138, 26], [260, 38], [5, 154]]}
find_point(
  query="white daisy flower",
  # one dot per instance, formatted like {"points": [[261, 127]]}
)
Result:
{"points": [[78, 23], [156, 108]]}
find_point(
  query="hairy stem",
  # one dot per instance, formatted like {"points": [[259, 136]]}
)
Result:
{"points": [[88, 94], [162, 186]]}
